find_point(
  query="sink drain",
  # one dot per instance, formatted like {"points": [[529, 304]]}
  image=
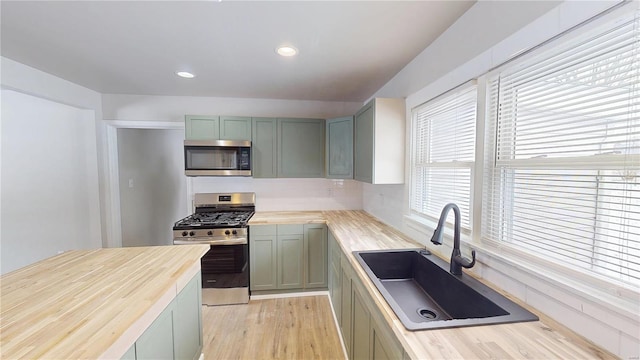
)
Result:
{"points": [[427, 314]]}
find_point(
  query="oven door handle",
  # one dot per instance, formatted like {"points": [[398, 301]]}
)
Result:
{"points": [[234, 241]]}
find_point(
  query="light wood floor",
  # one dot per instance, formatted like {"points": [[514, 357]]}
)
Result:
{"points": [[285, 328]]}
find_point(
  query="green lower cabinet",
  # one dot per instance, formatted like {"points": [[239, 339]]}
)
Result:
{"points": [[156, 343], [130, 354], [379, 350], [290, 261], [383, 343], [288, 257], [364, 330], [335, 276], [315, 256], [361, 327], [177, 332], [346, 307], [187, 321], [263, 258]]}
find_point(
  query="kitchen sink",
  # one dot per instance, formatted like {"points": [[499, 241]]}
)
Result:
{"points": [[425, 295]]}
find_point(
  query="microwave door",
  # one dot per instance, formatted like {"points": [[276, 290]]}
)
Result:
{"points": [[216, 161], [211, 159]]}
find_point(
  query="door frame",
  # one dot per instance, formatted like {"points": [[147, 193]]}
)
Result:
{"points": [[112, 188]]}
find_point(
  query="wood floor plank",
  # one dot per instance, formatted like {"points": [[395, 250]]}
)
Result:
{"points": [[285, 328]]}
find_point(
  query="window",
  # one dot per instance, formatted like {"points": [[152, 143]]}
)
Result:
{"points": [[562, 174], [444, 154]]}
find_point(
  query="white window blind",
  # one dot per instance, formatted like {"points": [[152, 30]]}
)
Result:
{"points": [[563, 178], [444, 133]]}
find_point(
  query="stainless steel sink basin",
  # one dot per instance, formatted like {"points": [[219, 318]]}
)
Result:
{"points": [[424, 295]]}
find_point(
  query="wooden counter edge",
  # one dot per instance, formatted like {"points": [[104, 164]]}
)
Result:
{"points": [[131, 335]]}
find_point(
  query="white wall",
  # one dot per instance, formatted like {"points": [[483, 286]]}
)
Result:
{"points": [[49, 180], [152, 185], [289, 194], [610, 319], [174, 108], [34, 105]]}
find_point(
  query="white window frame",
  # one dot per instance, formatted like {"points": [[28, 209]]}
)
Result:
{"points": [[421, 217], [512, 251], [592, 286]]}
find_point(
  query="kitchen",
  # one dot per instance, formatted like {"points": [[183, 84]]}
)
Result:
{"points": [[386, 202]]}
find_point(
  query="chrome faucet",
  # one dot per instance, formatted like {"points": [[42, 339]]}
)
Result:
{"points": [[457, 262]]}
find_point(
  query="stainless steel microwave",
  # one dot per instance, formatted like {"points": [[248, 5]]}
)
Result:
{"points": [[217, 158]]}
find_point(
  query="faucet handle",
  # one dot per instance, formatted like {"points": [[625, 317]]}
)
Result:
{"points": [[466, 263]]}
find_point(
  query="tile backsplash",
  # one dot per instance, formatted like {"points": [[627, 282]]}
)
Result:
{"points": [[287, 194]]}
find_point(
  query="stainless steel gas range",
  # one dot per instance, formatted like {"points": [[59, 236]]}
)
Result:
{"points": [[220, 220]]}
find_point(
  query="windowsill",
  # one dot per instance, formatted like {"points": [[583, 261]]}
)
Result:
{"points": [[622, 300]]}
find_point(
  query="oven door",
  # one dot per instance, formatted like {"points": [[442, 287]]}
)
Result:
{"points": [[217, 158], [225, 275]]}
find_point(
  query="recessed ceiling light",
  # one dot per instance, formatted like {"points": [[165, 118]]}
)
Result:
{"points": [[287, 50], [185, 74]]}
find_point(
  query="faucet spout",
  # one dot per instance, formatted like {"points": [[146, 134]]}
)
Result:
{"points": [[457, 261]]}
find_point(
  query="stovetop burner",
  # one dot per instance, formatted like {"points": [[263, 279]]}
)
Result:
{"points": [[214, 219]]}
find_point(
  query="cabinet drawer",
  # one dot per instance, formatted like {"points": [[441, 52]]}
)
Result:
{"points": [[262, 230], [292, 229]]}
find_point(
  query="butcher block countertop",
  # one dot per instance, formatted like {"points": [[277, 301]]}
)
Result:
{"points": [[90, 304], [544, 339]]}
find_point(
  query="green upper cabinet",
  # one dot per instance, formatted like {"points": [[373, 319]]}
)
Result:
{"points": [[339, 148], [379, 129], [199, 127], [264, 147], [235, 128], [301, 148]]}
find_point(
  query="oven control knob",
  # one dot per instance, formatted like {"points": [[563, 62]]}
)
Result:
{"points": [[234, 232], [191, 233], [209, 233], [184, 233], [227, 232]]}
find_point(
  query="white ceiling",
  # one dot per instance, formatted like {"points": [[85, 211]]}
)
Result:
{"points": [[348, 49]]}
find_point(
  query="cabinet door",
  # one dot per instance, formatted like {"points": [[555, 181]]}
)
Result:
{"points": [[384, 347], [156, 343], [290, 261], [187, 321], [264, 147], [339, 148], [363, 148], [202, 127], [130, 354], [345, 306], [235, 128], [316, 256], [301, 148], [361, 327], [335, 277], [263, 260], [380, 352]]}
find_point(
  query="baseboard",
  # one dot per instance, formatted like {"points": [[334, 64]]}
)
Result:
{"points": [[288, 295]]}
